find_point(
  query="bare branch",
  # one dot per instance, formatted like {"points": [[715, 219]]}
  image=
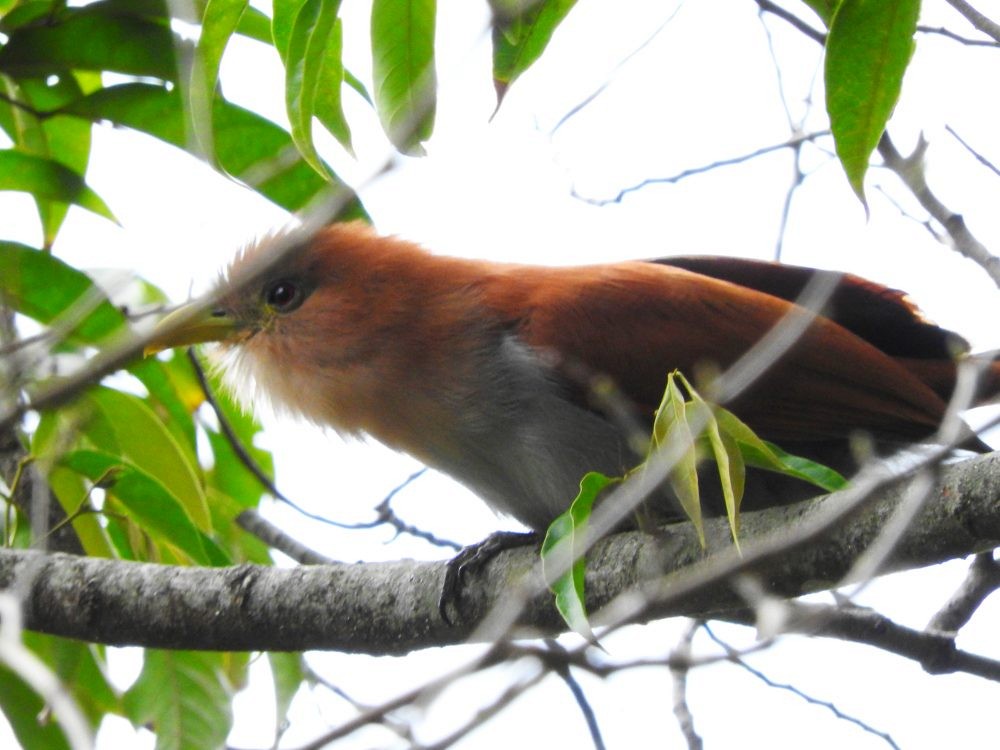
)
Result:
{"points": [[766, 6], [983, 579], [982, 23], [935, 652], [910, 170], [391, 608]]}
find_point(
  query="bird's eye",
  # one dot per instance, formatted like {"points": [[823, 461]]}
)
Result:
{"points": [[283, 296]]}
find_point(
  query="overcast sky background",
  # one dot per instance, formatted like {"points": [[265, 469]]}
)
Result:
{"points": [[703, 89]]}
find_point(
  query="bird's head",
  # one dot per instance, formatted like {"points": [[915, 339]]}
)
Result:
{"points": [[307, 329]]}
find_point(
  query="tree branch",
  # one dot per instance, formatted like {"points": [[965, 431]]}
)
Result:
{"points": [[392, 608]]}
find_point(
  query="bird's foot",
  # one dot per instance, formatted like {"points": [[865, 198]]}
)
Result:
{"points": [[473, 558]]}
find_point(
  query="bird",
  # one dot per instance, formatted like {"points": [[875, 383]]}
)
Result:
{"points": [[485, 370]]}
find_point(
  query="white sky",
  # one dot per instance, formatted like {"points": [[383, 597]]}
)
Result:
{"points": [[704, 89]]}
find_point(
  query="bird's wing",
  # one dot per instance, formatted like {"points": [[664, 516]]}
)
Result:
{"points": [[636, 322], [882, 316]]}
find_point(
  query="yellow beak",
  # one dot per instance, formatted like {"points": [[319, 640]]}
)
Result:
{"points": [[190, 325]]}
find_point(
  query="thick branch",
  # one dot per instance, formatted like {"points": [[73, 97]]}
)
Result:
{"points": [[391, 608]]}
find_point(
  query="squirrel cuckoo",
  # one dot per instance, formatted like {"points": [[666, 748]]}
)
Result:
{"points": [[473, 367]]}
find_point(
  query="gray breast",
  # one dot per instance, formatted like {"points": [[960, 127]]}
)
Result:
{"points": [[526, 445]]}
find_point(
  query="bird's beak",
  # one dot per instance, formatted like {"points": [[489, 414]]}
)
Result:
{"points": [[190, 325]]}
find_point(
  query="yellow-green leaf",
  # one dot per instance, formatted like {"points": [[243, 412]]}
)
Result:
{"points": [[671, 431], [763, 455], [143, 439]]}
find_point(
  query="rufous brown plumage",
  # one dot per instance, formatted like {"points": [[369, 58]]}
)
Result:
{"points": [[481, 369]]}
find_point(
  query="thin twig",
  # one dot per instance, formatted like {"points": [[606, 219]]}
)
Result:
{"points": [[979, 157], [942, 31], [561, 668], [682, 711], [790, 143], [735, 659]]}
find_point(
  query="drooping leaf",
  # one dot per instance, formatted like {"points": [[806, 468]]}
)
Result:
{"points": [[247, 146], [287, 674], [158, 512], [672, 432], [42, 287], [185, 696], [867, 52], [562, 550], [22, 706], [314, 76], [522, 30], [88, 39], [284, 13], [723, 452], [56, 433], [219, 22], [168, 403], [48, 180], [81, 670], [65, 140], [403, 70], [142, 438], [764, 455]]}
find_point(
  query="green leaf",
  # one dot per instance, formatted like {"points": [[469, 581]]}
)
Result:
{"points": [[867, 51], [284, 14], [219, 22], [521, 32], [185, 696], [255, 25], [170, 405], [403, 70], [763, 455], [150, 505], [85, 39], [81, 671], [65, 140], [825, 9], [55, 434], [314, 76], [247, 146], [48, 179], [287, 673], [147, 443], [724, 453], [564, 542], [42, 287], [22, 707]]}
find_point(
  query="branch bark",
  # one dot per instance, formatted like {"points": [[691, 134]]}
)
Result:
{"points": [[392, 608]]}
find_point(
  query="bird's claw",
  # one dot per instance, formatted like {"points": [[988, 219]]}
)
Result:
{"points": [[473, 558]]}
